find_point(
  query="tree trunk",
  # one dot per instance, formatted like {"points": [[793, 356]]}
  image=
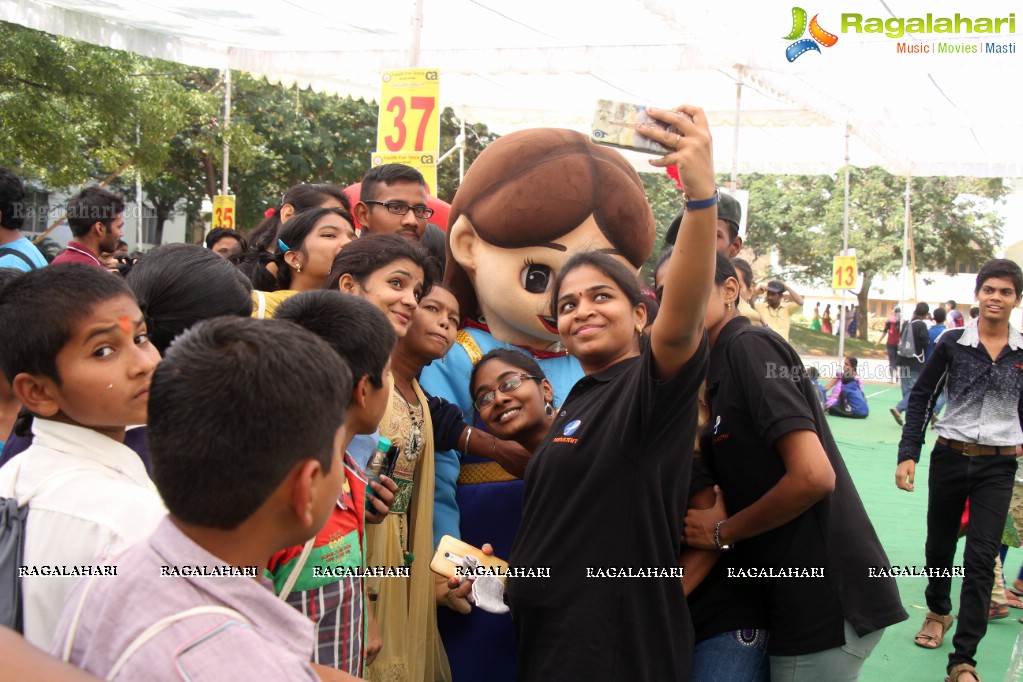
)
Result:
{"points": [[211, 176], [862, 301], [161, 217]]}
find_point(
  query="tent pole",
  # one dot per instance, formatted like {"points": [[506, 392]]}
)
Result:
{"points": [[845, 251], [227, 124], [461, 153], [733, 183], [909, 232], [905, 243], [417, 33], [138, 193]]}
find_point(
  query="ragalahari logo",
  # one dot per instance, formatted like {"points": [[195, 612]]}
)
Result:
{"points": [[817, 35]]}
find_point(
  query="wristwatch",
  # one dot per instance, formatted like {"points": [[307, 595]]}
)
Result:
{"points": [[717, 537]]}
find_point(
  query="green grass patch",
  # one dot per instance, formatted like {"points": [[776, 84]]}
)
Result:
{"points": [[809, 342]]}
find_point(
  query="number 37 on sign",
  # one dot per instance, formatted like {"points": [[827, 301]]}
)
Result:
{"points": [[844, 274]]}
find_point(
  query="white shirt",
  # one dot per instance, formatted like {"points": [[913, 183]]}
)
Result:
{"points": [[73, 517]]}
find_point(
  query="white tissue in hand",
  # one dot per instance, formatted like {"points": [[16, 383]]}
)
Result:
{"points": [[487, 590]]}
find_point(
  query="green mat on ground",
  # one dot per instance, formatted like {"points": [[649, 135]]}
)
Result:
{"points": [[869, 447]]}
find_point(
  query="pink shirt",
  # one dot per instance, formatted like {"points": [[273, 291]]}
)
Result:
{"points": [[267, 640]]}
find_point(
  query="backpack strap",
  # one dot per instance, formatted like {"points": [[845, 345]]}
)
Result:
{"points": [[147, 634], [8, 251], [261, 308], [299, 565], [164, 623]]}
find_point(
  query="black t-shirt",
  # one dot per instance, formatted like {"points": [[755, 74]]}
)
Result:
{"points": [[753, 401], [722, 604], [607, 490]]}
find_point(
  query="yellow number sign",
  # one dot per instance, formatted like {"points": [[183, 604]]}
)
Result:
{"points": [[223, 211], [844, 274], [424, 162], [409, 118]]}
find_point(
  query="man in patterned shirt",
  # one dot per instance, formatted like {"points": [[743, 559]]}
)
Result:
{"points": [[980, 367]]}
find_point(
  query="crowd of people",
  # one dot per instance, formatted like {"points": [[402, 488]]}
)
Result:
{"points": [[238, 459]]}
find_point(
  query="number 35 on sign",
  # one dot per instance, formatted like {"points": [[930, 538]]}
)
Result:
{"points": [[844, 274]]}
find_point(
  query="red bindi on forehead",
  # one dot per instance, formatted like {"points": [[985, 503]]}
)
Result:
{"points": [[124, 322]]}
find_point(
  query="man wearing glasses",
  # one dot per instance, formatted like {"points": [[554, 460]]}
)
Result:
{"points": [[393, 200]]}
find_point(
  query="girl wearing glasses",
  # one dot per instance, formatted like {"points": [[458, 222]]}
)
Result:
{"points": [[605, 489]]}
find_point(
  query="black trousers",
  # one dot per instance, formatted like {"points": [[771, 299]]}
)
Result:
{"points": [[987, 481]]}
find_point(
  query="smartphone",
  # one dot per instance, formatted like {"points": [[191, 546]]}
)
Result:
{"points": [[448, 559], [614, 125], [387, 469]]}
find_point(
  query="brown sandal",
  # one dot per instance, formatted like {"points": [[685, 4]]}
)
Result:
{"points": [[929, 641], [959, 669]]}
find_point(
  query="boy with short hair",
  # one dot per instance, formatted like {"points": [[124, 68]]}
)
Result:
{"points": [[974, 458], [16, 251], [248, 463], [96, 218], [73, 345], [328, 588]]}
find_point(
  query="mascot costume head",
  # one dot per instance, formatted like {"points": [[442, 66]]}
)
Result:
{"points": [[530, 200]]}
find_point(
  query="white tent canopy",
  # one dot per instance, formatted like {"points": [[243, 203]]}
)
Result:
{"points": [[543, 63]]}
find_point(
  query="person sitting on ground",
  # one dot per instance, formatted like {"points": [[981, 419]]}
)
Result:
{"points": [[815, 377], [322, 582], [235, 496], [847, 398], [73, 345]]}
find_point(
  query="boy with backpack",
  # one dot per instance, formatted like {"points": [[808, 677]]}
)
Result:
{"points": [[245, 433], [73, 345], [323, 579], [913, 340]]}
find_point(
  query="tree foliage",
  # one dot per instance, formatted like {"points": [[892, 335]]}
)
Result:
{"points": [[70, 109], [803, 216]]}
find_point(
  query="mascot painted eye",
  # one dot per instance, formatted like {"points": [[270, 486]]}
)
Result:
{"points": [[536, 278]]}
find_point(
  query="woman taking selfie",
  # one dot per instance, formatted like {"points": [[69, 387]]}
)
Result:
{"points": [[604, 490]]}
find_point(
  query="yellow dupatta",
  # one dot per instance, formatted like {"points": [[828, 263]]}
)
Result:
{"points": [[406, 609]]}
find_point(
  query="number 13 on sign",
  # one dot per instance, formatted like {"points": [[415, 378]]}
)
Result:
{"points": [[844, 274]]}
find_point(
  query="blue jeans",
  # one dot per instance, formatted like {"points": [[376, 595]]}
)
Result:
{"points": [[909, 377], [735, 656]]}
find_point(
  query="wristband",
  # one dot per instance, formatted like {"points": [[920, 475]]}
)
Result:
{"points": [[691, 205], [717, 537], [468, 435]]}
